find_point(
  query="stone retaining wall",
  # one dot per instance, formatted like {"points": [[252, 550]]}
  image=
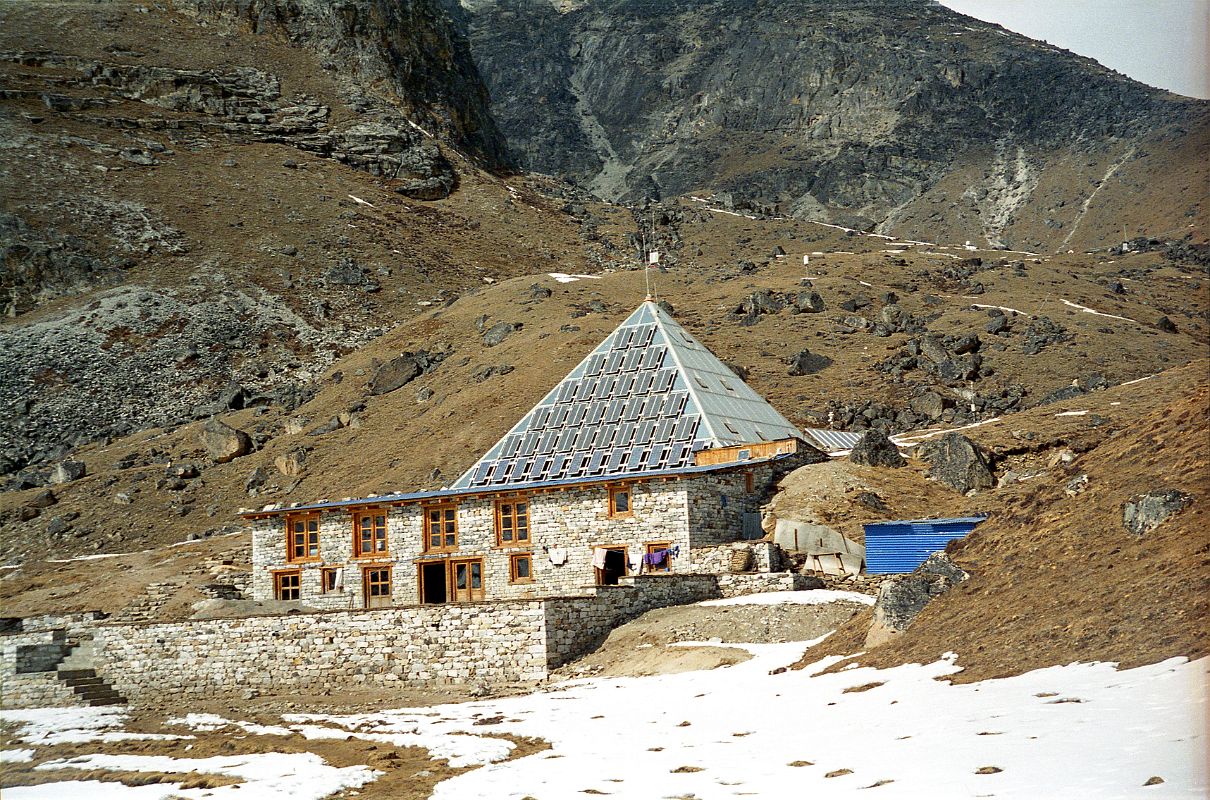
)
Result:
{"points": [[577, 625], [756, 583], [27, 671], [423, 645], [765, 557], [492, 642]]}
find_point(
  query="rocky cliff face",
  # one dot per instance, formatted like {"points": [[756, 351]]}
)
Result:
{"points": [[406, 52], [846, 111]]}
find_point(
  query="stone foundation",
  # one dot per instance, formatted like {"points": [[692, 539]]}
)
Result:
{"points": [[490, 642]]}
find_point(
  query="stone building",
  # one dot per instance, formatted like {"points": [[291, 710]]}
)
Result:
{"points": [[650, 456]]}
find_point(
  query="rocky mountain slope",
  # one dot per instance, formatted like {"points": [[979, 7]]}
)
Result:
{"points": [[262, 252], [901, 115], [235, 194]]}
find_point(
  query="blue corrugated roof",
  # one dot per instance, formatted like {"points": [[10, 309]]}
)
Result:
{"points": [[902, 545], [457, 492]]}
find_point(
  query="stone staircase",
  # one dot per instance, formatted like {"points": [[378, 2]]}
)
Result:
{"points": [[76, 671]]}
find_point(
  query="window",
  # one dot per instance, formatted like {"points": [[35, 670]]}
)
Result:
{"points": [[286, 585], [328, 580], [512, 521], [654, 561], [521, 568], [370, 533], [619, 501], [302, 537], [748, 482], [441, 528], [376, 582]]}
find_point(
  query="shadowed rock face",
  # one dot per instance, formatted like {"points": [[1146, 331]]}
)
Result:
{"points": [[831, 110], [406, 50]]}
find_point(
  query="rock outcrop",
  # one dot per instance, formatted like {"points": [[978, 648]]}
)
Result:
{"points": [[1145, 513], [840, 111], [901, 599], [410, 52], [957, 462], [224, 443], [874, 449]]}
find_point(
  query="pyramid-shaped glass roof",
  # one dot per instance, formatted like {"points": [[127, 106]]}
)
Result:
{"points": [[646, 399]]}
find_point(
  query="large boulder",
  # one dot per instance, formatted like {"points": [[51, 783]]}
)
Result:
{"points": [[805, 362], [293, 463], [957, 462], [928, 404], [874, 449], [405, 368], [808, 303], [68, 471], [224, 443], [1146, 512], [395, 373], [499, 332], [901, 599]]}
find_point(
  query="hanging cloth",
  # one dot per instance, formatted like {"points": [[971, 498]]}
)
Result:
{"points": [[558, 556], [598, 557]]}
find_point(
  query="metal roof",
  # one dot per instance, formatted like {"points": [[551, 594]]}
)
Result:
{"points": [[644, 401], [903, 545], [831, 441], [438, 494]]}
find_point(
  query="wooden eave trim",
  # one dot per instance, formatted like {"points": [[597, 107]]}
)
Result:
{"points": [[481, 494]]}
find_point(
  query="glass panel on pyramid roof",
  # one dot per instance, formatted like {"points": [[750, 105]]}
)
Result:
{"points": [[650, 395]]}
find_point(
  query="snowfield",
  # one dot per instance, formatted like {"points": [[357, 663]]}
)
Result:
{"points": [[1084, 730], [751, 729]]}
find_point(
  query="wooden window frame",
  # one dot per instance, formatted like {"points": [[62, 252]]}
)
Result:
{"points": [[279, 578], [513, 577], [749, 482], [428, 523], [651, 547], [324, 574], [614, 491], [515, 517], [305, 518], [358, 544]]}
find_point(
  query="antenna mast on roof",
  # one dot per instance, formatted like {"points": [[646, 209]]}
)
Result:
{"points": [[652, 256]]}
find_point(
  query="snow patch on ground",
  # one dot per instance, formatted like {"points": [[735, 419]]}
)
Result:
{"points": [[563, 277], [1088, 310], [94, 790], [452, 741], [288, 776], [15, 756], [808, 597], [47, 726], [213, 722]]}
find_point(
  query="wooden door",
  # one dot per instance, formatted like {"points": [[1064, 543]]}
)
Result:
{"points": [[376, 585], [466, 579]]}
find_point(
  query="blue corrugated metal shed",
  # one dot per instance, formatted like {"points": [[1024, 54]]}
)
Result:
{"points": [[901, 546]]}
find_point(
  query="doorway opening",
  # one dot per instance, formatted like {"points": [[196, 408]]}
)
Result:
{"points": [[432, 583], [615, 566]]}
